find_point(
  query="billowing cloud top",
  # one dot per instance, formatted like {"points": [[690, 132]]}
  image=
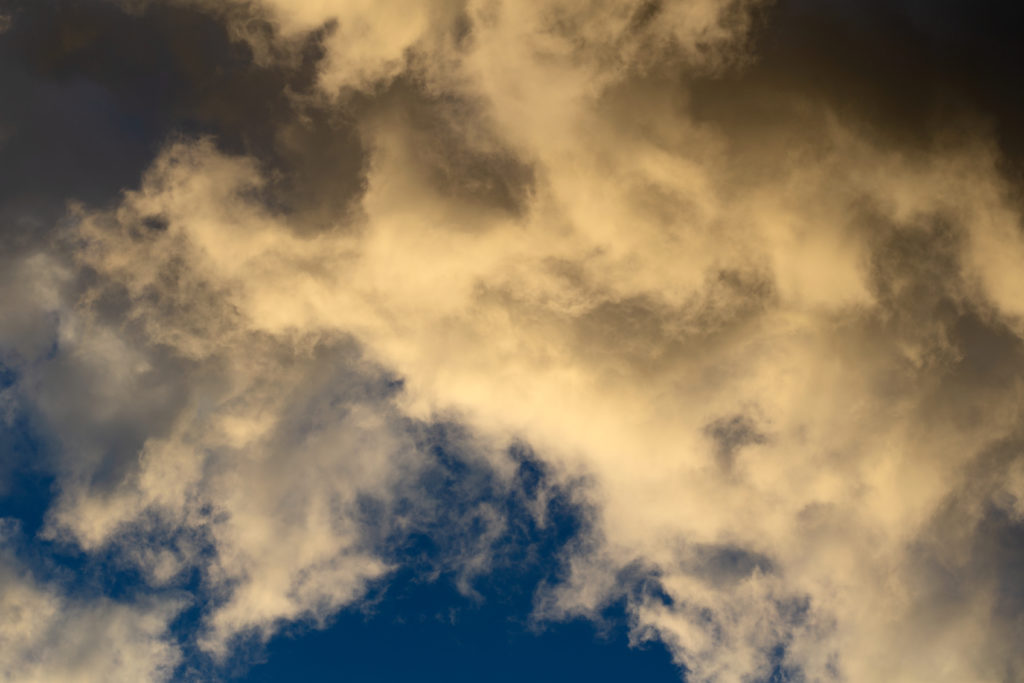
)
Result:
{"points": [[744, 279]]}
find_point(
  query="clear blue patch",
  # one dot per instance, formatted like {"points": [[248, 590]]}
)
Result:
{"points": [[429, 632]]}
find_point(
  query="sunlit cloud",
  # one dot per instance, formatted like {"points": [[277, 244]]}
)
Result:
{"points": [[772, 343]]}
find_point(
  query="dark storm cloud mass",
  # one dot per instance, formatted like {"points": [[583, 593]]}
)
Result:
{"points": [[700, 321]]}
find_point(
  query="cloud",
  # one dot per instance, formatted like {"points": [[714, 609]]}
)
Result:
{"points": [[188, 439], [249, 459], [779, 340], [48, 636]]}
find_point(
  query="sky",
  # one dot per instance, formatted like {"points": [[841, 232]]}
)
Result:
{"points": [[493, 340]]}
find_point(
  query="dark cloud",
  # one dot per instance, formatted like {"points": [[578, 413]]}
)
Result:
{"points": [[907, 73], [975, 541], [106, 431], [730, 435], [451, 145], [924, 301], [92, 92]]}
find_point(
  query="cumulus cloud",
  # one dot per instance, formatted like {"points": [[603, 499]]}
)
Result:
{"points": [[781, 345]]}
